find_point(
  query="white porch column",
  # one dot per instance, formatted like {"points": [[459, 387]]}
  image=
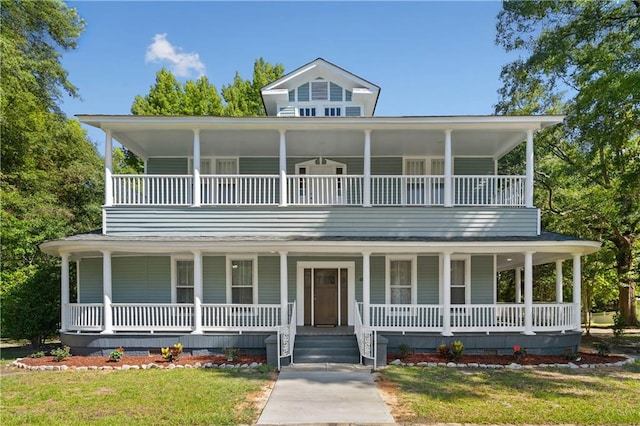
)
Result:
{"points": [[518, 285], [284, 289], [366, 287], [366, 184], [528, 189], [577, 289], [106, 291], [528, 293], [446, 294], [64, 290], [108, 167], [558, 281], [196, 168], [197, 292], [283, 169], [448, 172]]}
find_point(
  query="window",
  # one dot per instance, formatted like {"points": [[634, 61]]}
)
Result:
{"points": [[347, 95], [333, 112], [292, 95], [184, 281], [401, 281], [459, 281], [352, 111], [319, 91], [303, 93], [242, 280], [335, 93], [307, 112]]}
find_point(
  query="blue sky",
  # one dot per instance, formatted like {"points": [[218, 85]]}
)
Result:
{"points": [[428, 57]]}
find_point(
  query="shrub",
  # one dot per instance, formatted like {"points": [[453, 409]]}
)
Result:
{"points": [[173, 353], [573, 356], [231, 353], [457, 348], [603, 348], [38, 354], [61, 353], [404, 350], [443, 351], [116, 355], [519, 353], [619, 323]]}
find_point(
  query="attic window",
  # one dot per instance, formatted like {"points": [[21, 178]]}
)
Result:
{"points": [[292, 95], [347, 95], [303, 93], [335, 92], [319, 91]]}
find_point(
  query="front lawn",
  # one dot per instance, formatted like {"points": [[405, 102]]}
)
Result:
{"points": [[542, 396], [141, 397]]}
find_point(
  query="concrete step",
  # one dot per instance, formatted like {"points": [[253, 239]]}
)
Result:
{"points": [[323, 349]]}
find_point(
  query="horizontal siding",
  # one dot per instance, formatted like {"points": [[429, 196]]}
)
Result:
{"points": [[482, 279], [167, 166], [269, 279], [90, 281], [428, 280], [473, 166], [339, 221], [377, 279], [214, 279]]}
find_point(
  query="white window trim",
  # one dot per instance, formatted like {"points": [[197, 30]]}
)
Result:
{"points": [[212, 163], [254, 273], [174, 274], [414, 277], [327, 163], [467, 276], [427, 160]]}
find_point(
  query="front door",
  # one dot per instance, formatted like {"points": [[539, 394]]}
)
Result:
{"points": [[325, 296]]}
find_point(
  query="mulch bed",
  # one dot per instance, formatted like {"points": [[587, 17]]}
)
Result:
{"points": [[103, 361], [585, 358]]}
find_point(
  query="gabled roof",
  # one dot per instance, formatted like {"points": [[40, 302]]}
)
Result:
{"points": [[363, 91]]}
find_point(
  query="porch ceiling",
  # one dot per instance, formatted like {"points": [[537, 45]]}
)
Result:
{"points": [[409, 136]]}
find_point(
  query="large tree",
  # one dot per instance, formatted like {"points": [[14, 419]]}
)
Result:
{"points": [[51, 182], [582, 59]]}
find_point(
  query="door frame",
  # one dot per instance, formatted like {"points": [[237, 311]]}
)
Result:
{"points": [[350, 266]]}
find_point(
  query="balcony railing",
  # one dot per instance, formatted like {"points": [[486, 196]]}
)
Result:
{"points": [[318, 190]]}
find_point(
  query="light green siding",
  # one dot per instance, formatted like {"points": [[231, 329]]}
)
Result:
{"points": [[482, 277], [90, 283], [167, 166], [428, 280], [378, 280], [268, 279], [259, 165], [214, 279], [473, 166]]}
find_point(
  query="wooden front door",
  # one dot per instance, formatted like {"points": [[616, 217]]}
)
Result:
{"points": [[325, 296]]}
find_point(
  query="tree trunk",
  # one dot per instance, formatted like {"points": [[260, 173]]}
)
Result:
{"points": [[627, 286]]}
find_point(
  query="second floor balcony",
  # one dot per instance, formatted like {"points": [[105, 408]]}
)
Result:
{"points": [[318, 190]]}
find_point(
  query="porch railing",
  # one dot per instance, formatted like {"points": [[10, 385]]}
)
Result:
{"points": [[84, 316], [240, 317], [152, 317], [286, 337], [406, 317], [366, 337], [255, 190], [319, 190], [553, 316]]}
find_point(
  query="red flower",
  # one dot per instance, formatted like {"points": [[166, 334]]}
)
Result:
{"points": [[516, 348]]}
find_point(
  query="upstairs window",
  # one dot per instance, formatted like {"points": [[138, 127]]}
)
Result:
{"points": [[303, 93], [347, 95], [352, 111], [292, 95], [335, 93], [319, 91], [333, 112], [307, 112]]}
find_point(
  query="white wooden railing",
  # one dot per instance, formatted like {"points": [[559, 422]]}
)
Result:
{"points": [[152, 317], [286, 337], [174, 190], [406, 317], [318, 190], [366, 337], [489, 190], [251, 190], [553, 316], [240, 317], [84, 317], [407, 190]]}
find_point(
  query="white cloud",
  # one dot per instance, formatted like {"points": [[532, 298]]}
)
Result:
{"points": [[181, 64]]}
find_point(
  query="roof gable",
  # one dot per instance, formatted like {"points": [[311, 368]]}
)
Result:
{"points": [[364, 91]]}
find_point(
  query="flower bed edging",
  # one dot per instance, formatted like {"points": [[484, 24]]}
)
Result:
{"points": [[512, 366], [149, 366]]}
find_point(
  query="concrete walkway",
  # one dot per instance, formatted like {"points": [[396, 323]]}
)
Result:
{"points": [[325, 393]]}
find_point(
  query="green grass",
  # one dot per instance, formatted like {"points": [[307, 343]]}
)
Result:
{"points": [[544, 396], [141, 397]]}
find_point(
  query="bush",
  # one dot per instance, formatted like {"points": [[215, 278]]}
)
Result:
{"points": [[61, 353], [619, 323], [404, 350], [457, 348], [603, 348], [443, 351], [173, 353], [519, 353], [231, 353], [116, 355], [38, 354]]}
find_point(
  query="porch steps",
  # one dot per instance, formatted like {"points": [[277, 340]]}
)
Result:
{"points": [[337, 349]]}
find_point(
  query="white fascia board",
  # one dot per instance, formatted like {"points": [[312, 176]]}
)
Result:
{"points": [[160, 246]]}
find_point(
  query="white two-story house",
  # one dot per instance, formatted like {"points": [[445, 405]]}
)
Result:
{"points": [[318, 222]]}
